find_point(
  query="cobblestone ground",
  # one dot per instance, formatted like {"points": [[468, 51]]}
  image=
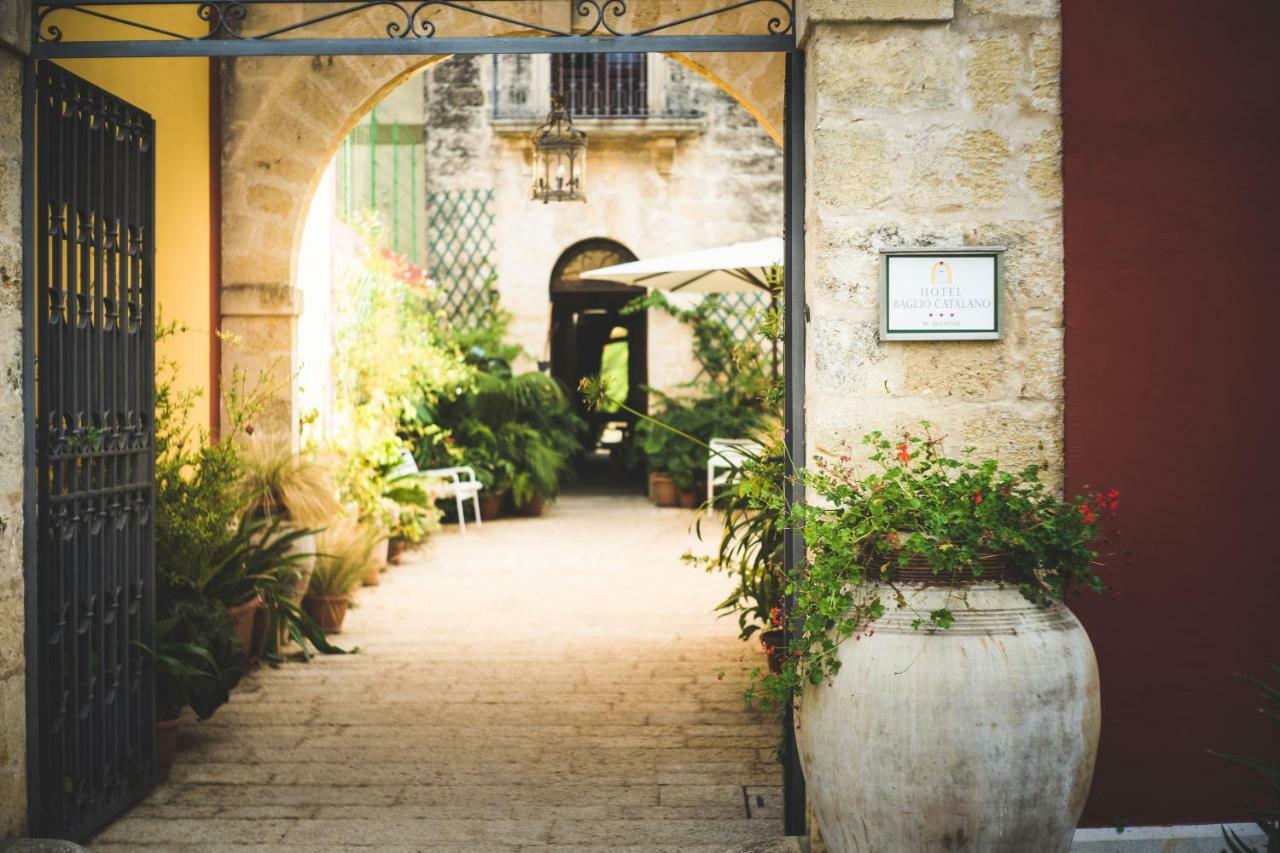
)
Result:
{"points": [[536, 685]]}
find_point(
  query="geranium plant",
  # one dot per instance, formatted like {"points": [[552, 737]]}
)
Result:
{"points": [[917, 506]]}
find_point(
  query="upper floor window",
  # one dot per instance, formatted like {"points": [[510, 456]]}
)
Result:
{"points": [[602, 85]]}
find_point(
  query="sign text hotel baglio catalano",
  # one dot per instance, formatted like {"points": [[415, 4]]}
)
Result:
{"points": [[940, 294]]}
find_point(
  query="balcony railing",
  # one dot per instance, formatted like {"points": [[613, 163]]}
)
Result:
{"points": [[602, 85], [625, 86]]}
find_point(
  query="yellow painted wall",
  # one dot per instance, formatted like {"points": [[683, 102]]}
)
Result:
{"points": [[176, 94]]}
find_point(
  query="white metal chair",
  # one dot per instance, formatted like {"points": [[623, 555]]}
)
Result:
{"points": [[727, 455], [458, 482]]}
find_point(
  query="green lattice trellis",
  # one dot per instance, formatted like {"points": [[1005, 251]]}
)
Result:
{"points": [[459, 246], [741, 312]]}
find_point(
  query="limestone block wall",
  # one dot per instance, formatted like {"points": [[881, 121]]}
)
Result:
{"points": [[13, 732], [934, 122]]}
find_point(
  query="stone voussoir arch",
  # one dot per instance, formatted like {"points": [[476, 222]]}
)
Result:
{"points": [[283, 120]]}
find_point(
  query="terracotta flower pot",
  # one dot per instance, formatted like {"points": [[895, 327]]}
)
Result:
{"points": [[166, 746], [327, 611], [491, 504], [396, 547], [774, 643], [688, 499], [652, 493], [534, 507], [377, 562], [664, 490], [242, 617]]}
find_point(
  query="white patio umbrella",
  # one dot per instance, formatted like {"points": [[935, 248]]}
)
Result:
{"points": [[736, 268]]}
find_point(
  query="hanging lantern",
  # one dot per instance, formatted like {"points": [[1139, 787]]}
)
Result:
{"points": [[559, 158]]}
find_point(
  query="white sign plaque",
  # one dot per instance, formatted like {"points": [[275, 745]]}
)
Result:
{"points": [[940, 294]]}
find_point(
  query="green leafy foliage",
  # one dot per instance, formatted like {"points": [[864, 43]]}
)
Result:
{"points": [[193, 647], [721, 413], [918, 504], [732, 398], [1268, 769], [391, 354], [194, 477], [516, 430], [751, 544]]}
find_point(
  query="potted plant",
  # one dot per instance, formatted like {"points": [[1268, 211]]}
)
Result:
{"points": [[538, 467], [276, 482], [414, 513], [248, 571], [659, 445], [969, 682], [751, 548], [340, 567], [188, 644]]}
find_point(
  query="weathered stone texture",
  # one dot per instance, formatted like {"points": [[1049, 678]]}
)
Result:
{"points": [[260, 350], [856, 11], [945, 134], [13, 795]]}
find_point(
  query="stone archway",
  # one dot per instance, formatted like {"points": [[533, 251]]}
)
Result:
{"points": [[283, 119]]}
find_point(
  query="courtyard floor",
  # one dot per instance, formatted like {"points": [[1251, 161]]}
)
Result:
{"points": [[535, 685]]}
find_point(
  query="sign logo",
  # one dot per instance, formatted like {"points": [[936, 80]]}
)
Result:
{"points": [[940, 273]]}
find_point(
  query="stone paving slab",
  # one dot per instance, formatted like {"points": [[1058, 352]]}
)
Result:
{"points": [[542, 685]]}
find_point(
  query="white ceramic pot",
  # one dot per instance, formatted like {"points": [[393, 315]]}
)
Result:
{"points": [[980, 737]]}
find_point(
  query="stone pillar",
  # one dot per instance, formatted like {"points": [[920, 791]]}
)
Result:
{"points": [[934, 122], [14, 29], [260, 350]]}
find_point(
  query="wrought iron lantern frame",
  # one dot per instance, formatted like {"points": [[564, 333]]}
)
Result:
{"points": [[559, 157], [224, 28]]}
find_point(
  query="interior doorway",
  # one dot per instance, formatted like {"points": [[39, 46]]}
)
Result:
{"points": [[593, 334]]}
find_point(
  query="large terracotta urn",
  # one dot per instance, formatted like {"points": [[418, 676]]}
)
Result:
{"points": [[979, 737]]}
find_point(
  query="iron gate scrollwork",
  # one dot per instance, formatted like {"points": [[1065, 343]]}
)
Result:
{"points": [[94, 727], [326, 27]]}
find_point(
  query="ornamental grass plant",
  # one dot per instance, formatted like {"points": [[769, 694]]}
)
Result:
{"points": [[343, 558], [276, 481]]}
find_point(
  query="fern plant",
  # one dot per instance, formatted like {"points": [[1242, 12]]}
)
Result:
{"points": [[1267, 817]]}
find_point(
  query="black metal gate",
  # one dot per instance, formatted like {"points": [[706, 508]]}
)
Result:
{"points": [[92, 729]]}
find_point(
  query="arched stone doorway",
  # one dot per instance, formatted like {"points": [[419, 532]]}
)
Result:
{"points": [[284, 120], [591, 335]]}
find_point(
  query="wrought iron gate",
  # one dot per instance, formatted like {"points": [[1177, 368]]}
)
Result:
{"points": [[93, 724]]}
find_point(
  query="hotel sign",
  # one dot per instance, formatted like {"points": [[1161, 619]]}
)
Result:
{"points": [[941, 294]]}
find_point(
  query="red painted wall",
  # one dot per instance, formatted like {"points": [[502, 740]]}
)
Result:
{"points": [[1172, 175]]}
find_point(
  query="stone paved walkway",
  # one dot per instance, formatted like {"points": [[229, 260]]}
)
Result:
{"points": [[536, 685]]}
